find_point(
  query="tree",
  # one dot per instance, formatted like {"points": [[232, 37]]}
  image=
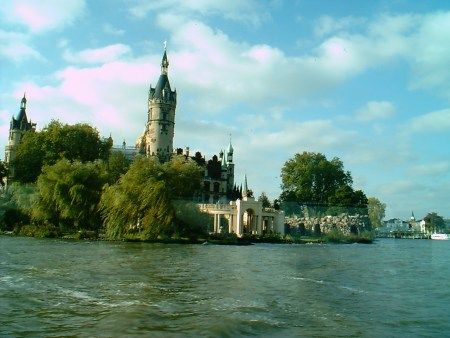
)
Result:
{"points": [[30, 157], [309, 179], [376, 210], [346, 200], [265, 200], [68, 195], [143, 203], [117, 165], [434, 222], [16, 204], [79, 142]]}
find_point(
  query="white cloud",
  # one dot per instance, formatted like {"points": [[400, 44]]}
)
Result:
{"points": [[42, 15], [430, 56], [98, 55], [438, 121], [207, 60], [17, 47], [249, 11], [375, 110], [326, 24], [111, 97], [420, 40], [110, 29], [430, 169]]}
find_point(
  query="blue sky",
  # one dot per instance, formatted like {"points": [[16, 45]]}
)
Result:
{"points": [[366, 81]]}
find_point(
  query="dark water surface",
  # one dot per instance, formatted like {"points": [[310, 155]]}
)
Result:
{"points": [[54, 288]]}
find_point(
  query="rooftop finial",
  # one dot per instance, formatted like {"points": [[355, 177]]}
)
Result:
{"points": [[165, 45]]}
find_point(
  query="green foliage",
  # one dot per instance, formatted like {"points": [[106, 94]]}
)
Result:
{"points": [[141, 203], [337, 236], [3, 173], [190, 221], [41, 231], [16, 203], [79, 142], [68, 194], [265, 200], [310, 180], [30, 156], [376, 211], [434, 222], [117, 165]]}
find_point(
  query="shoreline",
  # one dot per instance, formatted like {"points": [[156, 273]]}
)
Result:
{"points": [[210, 240]]}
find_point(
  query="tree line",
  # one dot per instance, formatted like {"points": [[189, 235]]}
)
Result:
{"points": [[67, 180]]}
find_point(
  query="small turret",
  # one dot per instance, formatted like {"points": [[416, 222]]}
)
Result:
{"points": [[245, 190]]}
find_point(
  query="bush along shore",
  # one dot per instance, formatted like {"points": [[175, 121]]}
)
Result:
{"points": [[334, 237]]}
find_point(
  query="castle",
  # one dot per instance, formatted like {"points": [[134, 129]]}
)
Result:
{"points": [[234, 209], [157, 140]]}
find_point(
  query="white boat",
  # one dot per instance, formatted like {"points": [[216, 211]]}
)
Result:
{"points": [[440, 236]]}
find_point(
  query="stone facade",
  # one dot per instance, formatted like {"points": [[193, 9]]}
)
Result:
{"points": [[346, 224], [244, 217]]}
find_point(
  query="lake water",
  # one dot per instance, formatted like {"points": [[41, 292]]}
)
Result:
{"points": [[54, 288]]}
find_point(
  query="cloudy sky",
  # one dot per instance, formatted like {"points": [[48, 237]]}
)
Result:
{"points": [[366, 81]]}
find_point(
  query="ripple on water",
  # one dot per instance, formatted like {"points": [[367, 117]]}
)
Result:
{"points": [[53, 288]]}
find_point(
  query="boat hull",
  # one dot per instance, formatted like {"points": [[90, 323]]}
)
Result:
{"points": [[442, 237]]}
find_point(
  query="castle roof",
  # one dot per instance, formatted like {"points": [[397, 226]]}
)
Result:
{"points": [[162, 89], [21, 120], [163, 84]]}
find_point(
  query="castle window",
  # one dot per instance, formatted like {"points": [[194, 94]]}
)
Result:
{"points": [[207, 186]]}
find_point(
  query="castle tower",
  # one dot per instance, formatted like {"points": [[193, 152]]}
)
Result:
{"points": [[18, 126], [159, 132]]}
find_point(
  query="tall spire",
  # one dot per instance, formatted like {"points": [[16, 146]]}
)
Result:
{"points": [[245, 191], [230, 147], [165, 61]]}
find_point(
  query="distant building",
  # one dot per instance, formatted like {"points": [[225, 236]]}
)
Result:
{"points": [[18, 127], [396, 225]]}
